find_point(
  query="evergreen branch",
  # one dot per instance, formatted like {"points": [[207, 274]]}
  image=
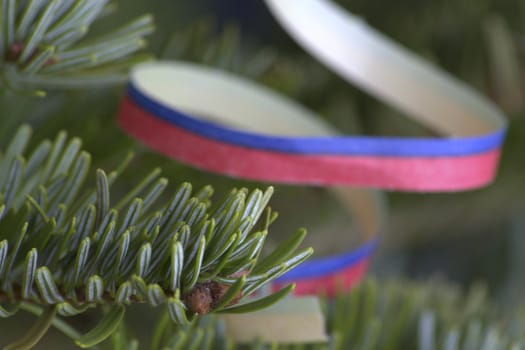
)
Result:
{"points": [[45, 44], [64, 245]]}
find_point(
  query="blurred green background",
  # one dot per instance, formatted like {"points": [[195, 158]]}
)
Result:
{"points": [[464, 237]]}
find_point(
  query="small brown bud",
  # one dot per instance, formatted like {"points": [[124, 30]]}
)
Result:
{"points": [[200, 299], [204, 296]]}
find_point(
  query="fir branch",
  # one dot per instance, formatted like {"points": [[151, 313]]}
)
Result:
{"points": [[64, 245], [45, 45]]}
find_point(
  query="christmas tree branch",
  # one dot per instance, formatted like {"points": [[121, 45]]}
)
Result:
{"points": [[66, 246], [45, 44]]}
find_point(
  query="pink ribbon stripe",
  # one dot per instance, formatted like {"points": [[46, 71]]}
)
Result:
{"points": [[429, 174]]}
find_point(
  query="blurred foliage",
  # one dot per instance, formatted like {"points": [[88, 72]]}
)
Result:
{"points": [[374, 315]]}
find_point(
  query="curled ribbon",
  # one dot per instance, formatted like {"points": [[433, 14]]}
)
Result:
{"points": [[225, 124]]}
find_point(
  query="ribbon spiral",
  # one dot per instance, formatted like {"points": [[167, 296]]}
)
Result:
{"points": [[218, 122]]}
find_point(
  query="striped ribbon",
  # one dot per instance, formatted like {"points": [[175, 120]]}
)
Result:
{"points": [[218, 122]]}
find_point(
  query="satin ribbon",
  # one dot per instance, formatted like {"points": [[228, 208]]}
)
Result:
{"points": [[225, 124]]}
